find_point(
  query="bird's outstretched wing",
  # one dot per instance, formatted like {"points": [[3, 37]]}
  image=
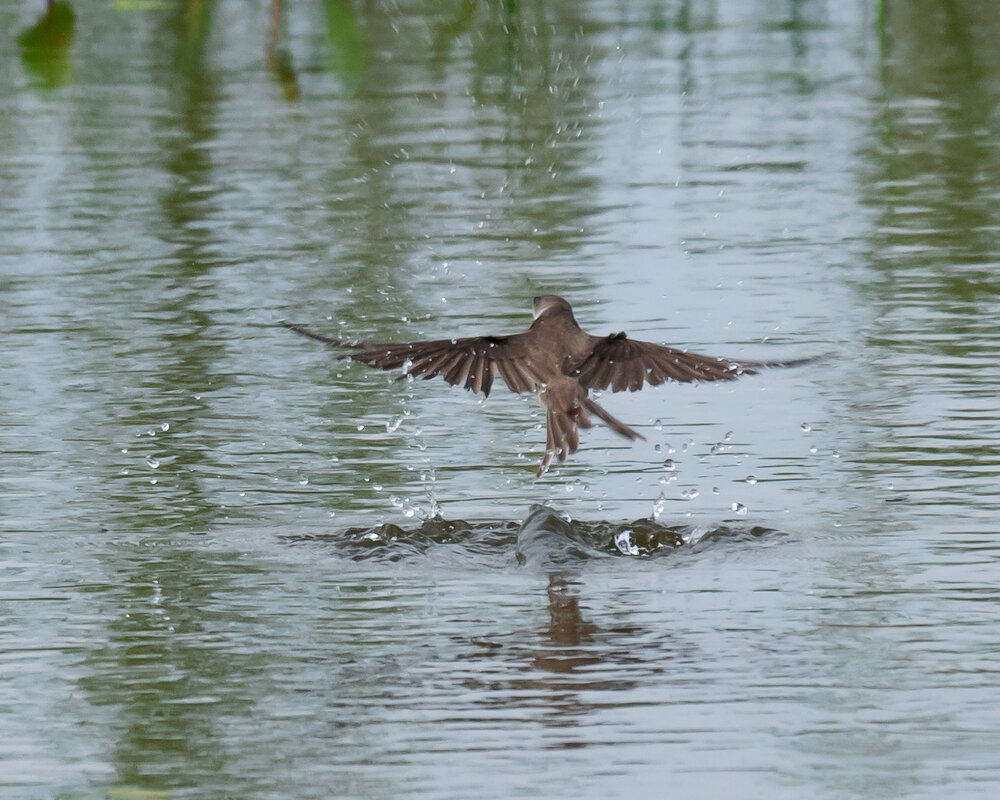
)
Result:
{"points": [[474, 361], [623, 363]]}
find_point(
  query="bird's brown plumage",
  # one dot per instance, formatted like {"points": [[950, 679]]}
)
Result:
{"points": [[554, 358]]}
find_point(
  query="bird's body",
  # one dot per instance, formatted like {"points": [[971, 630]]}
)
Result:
{"points": [[555, 359]]}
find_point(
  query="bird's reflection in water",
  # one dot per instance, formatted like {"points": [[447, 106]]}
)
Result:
{"points": [[567, 629]]}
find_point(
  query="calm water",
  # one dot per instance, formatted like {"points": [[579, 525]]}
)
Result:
{"points": [[219, 575]]}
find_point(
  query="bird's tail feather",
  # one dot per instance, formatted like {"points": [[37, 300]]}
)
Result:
{"points": [[317, 336], [751, 367], [616, 425], [562, 436]]}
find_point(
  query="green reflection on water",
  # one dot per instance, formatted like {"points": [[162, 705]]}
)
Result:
{"points": [[176, 661], [195, 643], [348, 51], [46, 48], [931, 167]]}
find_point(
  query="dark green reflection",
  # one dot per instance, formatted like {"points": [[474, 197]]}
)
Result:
{"points": [[279, 60], [940, 58], [180, 368], [348, 52], [933, 164], [177, 663], [529, 78], [46, 48], [930, 171]]}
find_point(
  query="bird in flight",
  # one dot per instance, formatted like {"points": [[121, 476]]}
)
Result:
{"points": [[556, 359]]}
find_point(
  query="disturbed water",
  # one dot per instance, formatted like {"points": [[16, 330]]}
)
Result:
{"points": [[233, 566]]}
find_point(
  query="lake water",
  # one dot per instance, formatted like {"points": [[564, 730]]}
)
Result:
{"points": [[234, 566]]}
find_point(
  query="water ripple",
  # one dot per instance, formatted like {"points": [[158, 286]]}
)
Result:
{"points": [[545, 538]]}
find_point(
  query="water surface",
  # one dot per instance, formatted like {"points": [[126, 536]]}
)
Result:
{"points": [[234, 566]]}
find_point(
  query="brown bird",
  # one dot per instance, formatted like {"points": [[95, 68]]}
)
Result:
{"points": [[556, 359]]}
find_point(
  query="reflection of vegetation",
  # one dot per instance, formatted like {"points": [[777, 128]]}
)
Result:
{"points": [[931, 168], [347, 45], [193, 26], [934, 162], [283, 69], [279, 60], [46, 48], [183, 363], [174, 664]]}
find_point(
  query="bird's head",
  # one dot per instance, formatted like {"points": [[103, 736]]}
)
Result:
{"points": [[547, 303]]}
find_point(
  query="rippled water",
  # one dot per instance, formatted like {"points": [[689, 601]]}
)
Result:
{"points": [[232, 565]]}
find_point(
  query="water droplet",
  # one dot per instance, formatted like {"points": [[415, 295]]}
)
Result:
{"points": [[669, 465], [124, 450], [361, 427], [303, 481], [806, 427], [659, 507], [728, 437], [814, 449], [717, 448], [623, 541], [164, 426], [658, 424], [657, 448], [377, 487], [715, 490], [393, 424], [153, 463], [690, 494], [153, 481], [739, 508], [835, 454], [751, 480]]}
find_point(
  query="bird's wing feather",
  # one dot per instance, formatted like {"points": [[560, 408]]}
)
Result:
{"points": [[623, 363], [473, 362]]}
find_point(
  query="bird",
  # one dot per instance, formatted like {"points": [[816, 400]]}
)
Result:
{"points": [[555, 359]]}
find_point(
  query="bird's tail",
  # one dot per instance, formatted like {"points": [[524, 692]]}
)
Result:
{"points": [[616, 425], [562, 427], [751, 367], [562, 434], [318, 337]]}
